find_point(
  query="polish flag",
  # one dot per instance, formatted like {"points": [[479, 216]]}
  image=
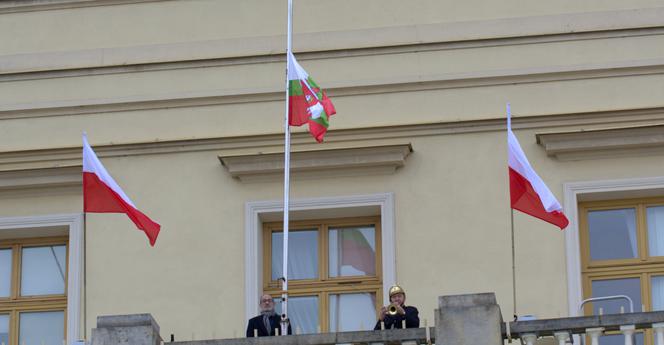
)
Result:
{"points": [[528, 193], [102, 195]]}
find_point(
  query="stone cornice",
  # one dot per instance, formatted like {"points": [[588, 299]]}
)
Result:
{"points": [[386, 85], [385, 40], [605, 143], [336, 138], [318, 163], [46, 5], [40, 178]]}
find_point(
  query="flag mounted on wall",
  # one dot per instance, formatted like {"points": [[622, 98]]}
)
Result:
{"points": [[528, 193], [101, 194], [307, 102]]}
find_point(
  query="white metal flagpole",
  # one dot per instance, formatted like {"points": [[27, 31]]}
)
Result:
{"points": [[508, 110], [284, 292]]}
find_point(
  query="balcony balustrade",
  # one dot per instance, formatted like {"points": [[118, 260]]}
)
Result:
{"points": [[460, 320]]}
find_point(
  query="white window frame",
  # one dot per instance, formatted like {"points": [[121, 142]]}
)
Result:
{"points": [[75, 274], [572, 191], [253, 239]]}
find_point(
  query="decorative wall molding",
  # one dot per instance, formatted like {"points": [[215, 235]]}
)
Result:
{"points": [[40, 178], [386, 85], [46, 5], [592, 144], [318, 163], [384, 40], [76, 264], [335, 138], [253, 220]]}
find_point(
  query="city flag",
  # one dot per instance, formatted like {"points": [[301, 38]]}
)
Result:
{"points": [[101, 194], [307, 102]]}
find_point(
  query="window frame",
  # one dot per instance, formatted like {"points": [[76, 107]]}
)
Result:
{"points": [[324, 286], [16, 304], [643, 267]]}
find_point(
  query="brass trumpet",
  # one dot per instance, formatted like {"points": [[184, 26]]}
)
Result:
{"points": [[392, 309]]}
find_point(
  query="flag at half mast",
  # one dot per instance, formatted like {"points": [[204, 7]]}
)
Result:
{"points": [[307, 102]]}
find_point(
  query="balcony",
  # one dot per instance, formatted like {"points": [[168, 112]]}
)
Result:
{"points": [[462, 319]]}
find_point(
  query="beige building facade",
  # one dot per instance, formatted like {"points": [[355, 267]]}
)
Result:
{"points": [[183, 102]]}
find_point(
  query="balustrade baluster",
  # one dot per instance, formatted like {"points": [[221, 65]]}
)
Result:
{"points": [[628, 331], [659, 333], [594, 334], [529, 338], [561, 337]]}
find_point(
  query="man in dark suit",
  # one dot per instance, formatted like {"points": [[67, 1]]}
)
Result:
{"points": [[265, 324], [401, 315]]}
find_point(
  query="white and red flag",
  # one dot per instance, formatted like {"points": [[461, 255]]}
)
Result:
{"points": [[101, 194], [528, 193]]}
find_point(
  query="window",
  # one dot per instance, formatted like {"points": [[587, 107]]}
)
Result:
{"points": [[33, 291], [334, 269], [623, 254]]}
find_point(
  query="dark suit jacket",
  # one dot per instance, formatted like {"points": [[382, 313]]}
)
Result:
{"points": [[411, 317], [257, 323]]}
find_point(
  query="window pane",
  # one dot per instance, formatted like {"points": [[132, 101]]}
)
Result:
{"points": [[303, 313], [610, 287], [657, 293], [5, 272], [43, 270], [619, 339], [655, 220], [352, 312], [612, 234], [4, 329], [44, 328], [302, 254], [352, 252]]}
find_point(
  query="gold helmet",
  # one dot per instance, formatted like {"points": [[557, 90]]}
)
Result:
{"points": [[395, 289]]}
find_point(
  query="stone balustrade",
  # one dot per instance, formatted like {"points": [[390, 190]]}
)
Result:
{"points": [[460, 320]]}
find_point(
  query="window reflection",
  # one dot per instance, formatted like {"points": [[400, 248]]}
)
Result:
{"points": [[655, 220], [44, 328], [352, 252], [43, 270], [352, 312], [302, 254], [4, 329], [5, 272], [657, 292], [303, 313], [612, 234], [611, 287]]}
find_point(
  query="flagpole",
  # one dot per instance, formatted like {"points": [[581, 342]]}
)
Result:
{"points": [[509, 128], [284, 292], [513, 261], [85, 277], [85, 257]]}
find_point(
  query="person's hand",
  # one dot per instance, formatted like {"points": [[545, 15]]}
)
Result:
{"points": [[383, 312], [400, 310]]}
